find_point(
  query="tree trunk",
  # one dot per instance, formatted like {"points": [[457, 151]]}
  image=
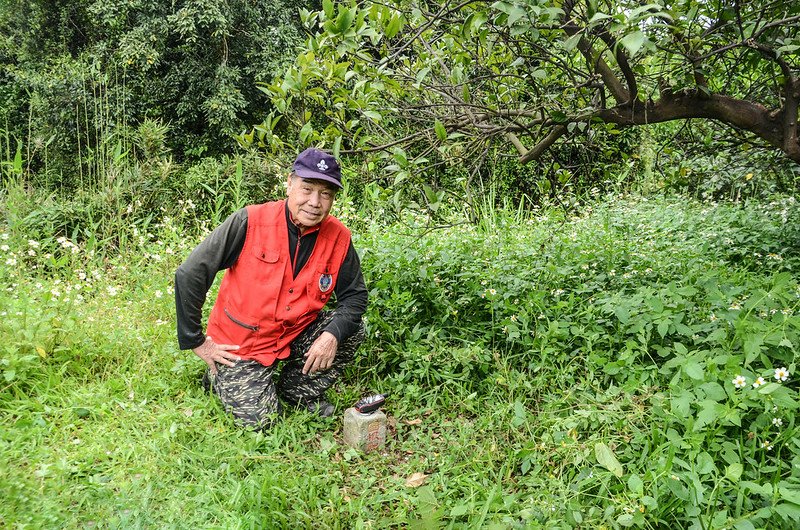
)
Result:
{"points": [[746, 115]]}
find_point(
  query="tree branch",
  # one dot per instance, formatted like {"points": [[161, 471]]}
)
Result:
{"points": [[622, 62], [610, 80], [742, 114], [571, 28], [790, 103], [544, 145]]}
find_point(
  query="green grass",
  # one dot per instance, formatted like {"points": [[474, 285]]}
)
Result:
{"points": [[545, 372]]}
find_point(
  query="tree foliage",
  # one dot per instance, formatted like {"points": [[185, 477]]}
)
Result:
{"points": [[74, 73], [433, 83]]}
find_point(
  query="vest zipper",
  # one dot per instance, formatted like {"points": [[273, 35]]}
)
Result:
{"points": [[237, 321], [296, 253]]}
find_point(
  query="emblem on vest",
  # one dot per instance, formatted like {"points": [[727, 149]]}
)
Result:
{"points": [[325, 282]]}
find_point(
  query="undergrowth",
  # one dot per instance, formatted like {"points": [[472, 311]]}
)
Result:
{"points": [[619, 368]]}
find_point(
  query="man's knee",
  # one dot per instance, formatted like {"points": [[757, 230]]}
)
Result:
{"points": [[246, 391], [258, 420], [348, 347]]}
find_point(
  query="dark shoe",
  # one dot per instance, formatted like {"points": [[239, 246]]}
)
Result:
{"points": [[321, 407]]}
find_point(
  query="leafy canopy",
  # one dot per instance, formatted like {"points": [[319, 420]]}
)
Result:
{"points": [[426, 82]]}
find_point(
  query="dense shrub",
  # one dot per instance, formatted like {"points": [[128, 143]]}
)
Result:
{"points": [[78, 78], [695, 307]]}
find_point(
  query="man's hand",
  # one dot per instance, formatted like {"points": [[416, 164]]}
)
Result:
{"points": [[213, 353], [320, 355]]}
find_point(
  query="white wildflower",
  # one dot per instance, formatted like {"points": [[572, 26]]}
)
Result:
{"points": [[781, 374]]}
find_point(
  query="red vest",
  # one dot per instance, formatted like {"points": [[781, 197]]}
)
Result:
{"points": [[260, 306]]}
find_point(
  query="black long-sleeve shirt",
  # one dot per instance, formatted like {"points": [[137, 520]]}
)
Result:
{"points": [[221, 249]]}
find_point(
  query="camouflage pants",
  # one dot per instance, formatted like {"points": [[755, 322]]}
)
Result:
{"points": [[247, 390]]}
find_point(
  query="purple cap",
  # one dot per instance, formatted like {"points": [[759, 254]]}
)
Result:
{"points": [[315, 164]]}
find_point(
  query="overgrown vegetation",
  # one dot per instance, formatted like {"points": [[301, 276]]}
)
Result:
{"points": [[545, 371], [84, 79], [605, 337]]}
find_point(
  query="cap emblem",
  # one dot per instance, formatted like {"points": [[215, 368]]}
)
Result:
{"points": [[321, 165]]}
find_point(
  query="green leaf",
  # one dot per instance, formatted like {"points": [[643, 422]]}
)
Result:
{"points": [[788, 510], [337, 146], [475, 21], [765, 490], [400, 156], [622, 314], [744, 525], [514, 14], [373, 115], [752, 347], [789, 494], [734, 472], [626, 519], [597, 17], [635, 484], [345, 20], [327, 7], [441, 132], [782, 396], [571, 42], [605, 457], [633, 42], [656, 305], [714, 391], [677, 488], [681, 404], [644, 11], [705, 464], [694, 370], [710, 411], [394, 26], [769, 388], [306, 131]]}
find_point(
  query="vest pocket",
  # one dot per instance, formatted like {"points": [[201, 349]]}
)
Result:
{"points": [[235, 320], [321, 285], [266, 255]]}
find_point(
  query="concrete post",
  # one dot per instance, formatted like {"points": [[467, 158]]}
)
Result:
{"points": [[365, 432]]}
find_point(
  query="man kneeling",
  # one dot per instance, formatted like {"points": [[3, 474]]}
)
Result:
{"points": [[283, 262]]}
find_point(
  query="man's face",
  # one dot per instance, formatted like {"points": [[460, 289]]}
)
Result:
{"points": [[309, 201]]}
